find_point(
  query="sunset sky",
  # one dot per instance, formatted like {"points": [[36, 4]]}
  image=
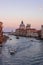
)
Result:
{"points": [[12, 12]]}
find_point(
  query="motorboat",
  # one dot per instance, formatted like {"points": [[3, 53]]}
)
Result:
{"points": [[17, 37], [12, 52], [32, 40], [1, 45]]}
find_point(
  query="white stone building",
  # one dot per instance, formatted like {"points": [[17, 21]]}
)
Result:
{"points": [[32, 33], [21, 30], [26, 31], [1, 32], [28, 26], [41, 31]]}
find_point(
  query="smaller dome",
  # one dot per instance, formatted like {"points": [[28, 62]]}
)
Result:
{"points": [[28, 26]]}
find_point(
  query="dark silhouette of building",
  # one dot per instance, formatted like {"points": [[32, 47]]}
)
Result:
{"points": [[1, 32]]}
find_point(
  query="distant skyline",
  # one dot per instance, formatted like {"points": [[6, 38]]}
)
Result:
{"points": [[12, 12]]}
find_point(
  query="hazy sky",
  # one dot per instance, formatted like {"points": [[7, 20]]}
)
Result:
{"points": [[13, 11]]}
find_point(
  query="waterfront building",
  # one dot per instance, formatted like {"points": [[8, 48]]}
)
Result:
{"points": [[28, 31], [28, 26], [32, 32], [21, 31], [39, 34], [1, 32], [41, 31]]}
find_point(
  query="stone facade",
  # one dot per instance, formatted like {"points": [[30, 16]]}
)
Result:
{"points": [[41, 31], [20, 32], [31, 32], [26, 31], [28, 26], [1, 32]]}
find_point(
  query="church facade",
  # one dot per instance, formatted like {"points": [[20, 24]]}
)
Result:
{"points": [[26, 30]]}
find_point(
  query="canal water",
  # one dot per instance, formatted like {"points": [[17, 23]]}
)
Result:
{"points": [[29, 51]]}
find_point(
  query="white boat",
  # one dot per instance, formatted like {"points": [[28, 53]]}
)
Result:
{"points": [[12, 52]]}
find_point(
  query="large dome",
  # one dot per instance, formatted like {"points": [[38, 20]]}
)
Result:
{"points": [[22, 25]]}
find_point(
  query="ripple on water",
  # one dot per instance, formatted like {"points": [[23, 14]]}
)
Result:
{"points": [[28, 52]]}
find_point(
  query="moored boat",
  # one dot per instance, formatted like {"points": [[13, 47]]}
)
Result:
{"points": [[12, 52], [17, 37]]}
